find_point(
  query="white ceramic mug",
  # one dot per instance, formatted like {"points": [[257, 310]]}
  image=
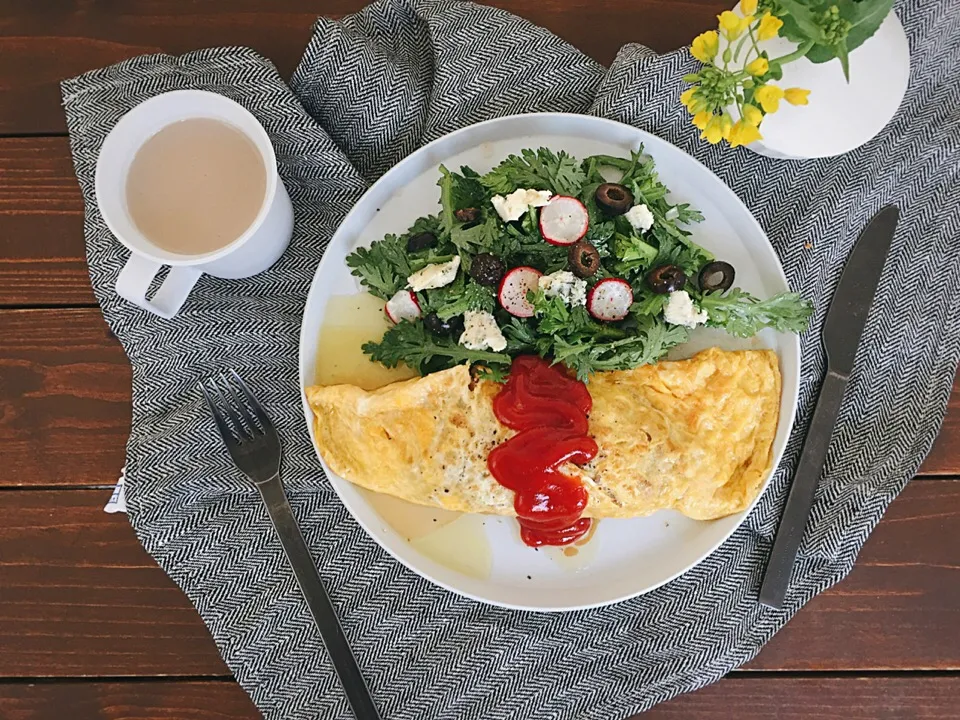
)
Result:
{"points": [[253, 252]]}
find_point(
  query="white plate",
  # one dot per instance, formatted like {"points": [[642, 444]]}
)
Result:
{"points": [[625, 557]]}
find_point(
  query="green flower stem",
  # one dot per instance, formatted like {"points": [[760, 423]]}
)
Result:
{"points": [[753, 41], [736, 53], [796, 54]]}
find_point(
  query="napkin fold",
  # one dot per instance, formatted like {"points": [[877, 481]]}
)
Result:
{"points": [[370, 89]]}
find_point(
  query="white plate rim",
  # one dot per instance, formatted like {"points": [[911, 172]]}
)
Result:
{"points": [[793, 348]]}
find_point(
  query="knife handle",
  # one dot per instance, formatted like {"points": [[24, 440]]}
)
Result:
{"points": [[802, 491], [304, 569]]}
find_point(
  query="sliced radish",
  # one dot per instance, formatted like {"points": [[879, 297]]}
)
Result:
{"points": [[610, 300], [402, 306], [514, 288], [564, 220]]}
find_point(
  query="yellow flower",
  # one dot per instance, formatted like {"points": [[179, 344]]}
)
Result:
{"points": [[732, 25], [769, 97], [796, 96], [705, 46], [686, 97], [726, 124], [701, 119], [714, 131], [749, 7], [758, 67], [743, 133], [769, 27], [752, 115]]}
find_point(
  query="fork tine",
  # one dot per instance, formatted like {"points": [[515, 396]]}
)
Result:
{"points": [[240, 429], [254, 404], [247, 429], [222, 425], [248, 418]]}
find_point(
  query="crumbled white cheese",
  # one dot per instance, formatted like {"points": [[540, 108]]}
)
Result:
{"points": [[434, 276], [565, 285], [513, 206], [640, 217], [680, 310], [672, 214], [480, 331]]}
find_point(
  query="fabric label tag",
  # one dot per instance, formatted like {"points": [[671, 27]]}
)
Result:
{"points": [[118, 500]]}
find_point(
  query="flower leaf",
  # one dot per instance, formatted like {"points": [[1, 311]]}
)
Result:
{"points": [[865, 19], [802, 20], [841, 51]]}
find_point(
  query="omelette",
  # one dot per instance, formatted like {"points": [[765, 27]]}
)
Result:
{"points": [[693, 435]]}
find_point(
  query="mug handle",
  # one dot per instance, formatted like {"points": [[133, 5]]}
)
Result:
{"points": [[135, 278]]}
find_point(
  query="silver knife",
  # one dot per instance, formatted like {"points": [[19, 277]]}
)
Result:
{"points": [[841, 337]]}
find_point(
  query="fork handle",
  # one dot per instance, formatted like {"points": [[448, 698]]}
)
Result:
{"points": [[281, 514]]}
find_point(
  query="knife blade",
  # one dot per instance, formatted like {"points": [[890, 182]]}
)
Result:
{"points": [[842, 331]]}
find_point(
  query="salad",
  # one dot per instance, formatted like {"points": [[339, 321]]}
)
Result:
{"points": [[586, 263]]}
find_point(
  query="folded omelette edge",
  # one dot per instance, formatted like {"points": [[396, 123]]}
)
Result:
{"points": [[694, 435]]}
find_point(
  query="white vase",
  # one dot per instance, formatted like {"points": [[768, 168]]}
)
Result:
{"points": [[841, 116]]}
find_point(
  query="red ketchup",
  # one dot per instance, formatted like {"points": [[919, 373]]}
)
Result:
{"points": [[549, 410]]}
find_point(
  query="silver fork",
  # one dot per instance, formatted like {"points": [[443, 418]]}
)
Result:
{"points": [[254, 445]]}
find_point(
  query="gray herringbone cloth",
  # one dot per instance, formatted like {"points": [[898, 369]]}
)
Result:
{"points": [[371, 89]]}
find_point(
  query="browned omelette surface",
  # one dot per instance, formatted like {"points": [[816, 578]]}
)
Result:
{"points": [[694, 435]]}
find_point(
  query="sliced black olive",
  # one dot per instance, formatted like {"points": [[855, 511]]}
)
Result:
{"points": [[467, 215], [487, 269], [421, 241], [584, 259], [455, 326], [433, 323], [717, 275], [666, 279], [615, 199], [452, 327]]}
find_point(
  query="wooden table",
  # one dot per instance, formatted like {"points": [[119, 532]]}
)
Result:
{"points": [[90, 627]]}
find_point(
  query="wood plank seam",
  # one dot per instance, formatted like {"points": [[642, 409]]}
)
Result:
{"points": [[741, 674]]}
